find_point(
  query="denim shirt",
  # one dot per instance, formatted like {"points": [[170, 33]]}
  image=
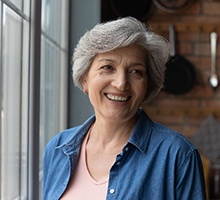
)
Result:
{"points": [[157, 163]]}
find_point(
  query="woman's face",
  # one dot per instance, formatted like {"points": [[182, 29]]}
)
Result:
{"points": [[117, 82]]}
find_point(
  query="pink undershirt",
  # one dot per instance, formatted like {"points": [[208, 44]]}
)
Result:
{"points": [[82, 186]]}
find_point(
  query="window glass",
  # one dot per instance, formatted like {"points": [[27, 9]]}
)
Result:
{"points": [[50, 88], [24, 110], [52, 19], [54, 68], [14, 113], [17, 3], [22, 5], [26, 7]]}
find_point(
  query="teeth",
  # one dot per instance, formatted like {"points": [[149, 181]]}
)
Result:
{"points": [[116, 98]]}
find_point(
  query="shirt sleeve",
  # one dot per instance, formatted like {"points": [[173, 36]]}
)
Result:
{"points": [[190, 179], [46, 167]]}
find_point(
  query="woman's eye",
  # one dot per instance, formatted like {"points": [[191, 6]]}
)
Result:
{"points": [[136, 72], [107, 67]]}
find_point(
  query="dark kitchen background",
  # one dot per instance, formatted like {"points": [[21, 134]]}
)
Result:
{"points": [[195, 111], [186, 112]]}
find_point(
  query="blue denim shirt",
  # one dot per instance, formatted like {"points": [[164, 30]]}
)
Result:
{"points": [[156, 164]]}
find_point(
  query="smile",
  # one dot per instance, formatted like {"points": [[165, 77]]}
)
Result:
{"points": [[117, 98]]}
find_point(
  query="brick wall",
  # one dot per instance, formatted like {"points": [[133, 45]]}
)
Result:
{"points": [[186, 112]]}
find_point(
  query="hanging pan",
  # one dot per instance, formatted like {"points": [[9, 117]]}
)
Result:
{"points": [[180, 75], [172, 6], [139, 9]]}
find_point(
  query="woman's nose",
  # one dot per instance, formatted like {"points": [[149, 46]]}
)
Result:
{"points": [[121, 81]]}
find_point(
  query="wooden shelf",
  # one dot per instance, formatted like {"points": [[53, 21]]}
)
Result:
{"points": [[186, 27]]}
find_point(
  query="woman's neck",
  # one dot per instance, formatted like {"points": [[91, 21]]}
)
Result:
{"points": [[110, 134]]}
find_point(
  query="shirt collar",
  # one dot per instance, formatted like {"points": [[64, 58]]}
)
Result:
{"points": [[76, 135], [142, 131], [139, 137]]}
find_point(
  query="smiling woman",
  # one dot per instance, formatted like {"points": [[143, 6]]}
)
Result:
{"points": [[117, 83], [120, 65]]}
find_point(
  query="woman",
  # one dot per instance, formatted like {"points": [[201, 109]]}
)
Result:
{"points": [[120, 153]]}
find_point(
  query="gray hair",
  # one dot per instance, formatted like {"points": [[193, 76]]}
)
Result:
{"points": [[119, 33]]}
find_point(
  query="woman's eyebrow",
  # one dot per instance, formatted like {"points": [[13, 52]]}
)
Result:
{"points": [[106, 59], [140, 64]]}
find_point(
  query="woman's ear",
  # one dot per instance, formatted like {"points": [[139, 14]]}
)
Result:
{"points": [[84, 85]]}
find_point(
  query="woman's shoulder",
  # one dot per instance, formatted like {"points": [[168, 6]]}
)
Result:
{"points": [[63, 137], [160, 133], [68, 136], [171, 137]]}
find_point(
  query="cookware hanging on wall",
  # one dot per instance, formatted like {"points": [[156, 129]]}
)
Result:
{"points": [[139, 9], [180, 75], [173, 6], [213, 80]]}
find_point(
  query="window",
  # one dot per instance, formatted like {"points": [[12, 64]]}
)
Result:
{"points": [[14, 101], [53, 116], [15, 39]]}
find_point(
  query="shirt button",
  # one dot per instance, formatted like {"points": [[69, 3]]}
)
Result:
{"points": [[127, 148], [118, 163], [112, 191]]}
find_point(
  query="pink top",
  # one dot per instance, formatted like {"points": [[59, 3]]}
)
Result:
{"points": [[82, 186]]}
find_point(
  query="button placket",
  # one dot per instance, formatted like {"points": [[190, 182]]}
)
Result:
{"points": [[118, 162]]}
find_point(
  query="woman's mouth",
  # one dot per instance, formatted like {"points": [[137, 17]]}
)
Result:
{"points": [[117, 98]]}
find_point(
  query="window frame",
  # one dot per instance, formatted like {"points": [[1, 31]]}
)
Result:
{"points": [[34, 100], [34, 89]]}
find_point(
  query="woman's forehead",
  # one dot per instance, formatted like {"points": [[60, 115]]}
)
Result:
{"points": [[133, 50]]}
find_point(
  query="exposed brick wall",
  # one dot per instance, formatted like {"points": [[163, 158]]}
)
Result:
{"points": [[186, 112]]}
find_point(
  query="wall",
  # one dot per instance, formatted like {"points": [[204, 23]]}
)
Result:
{"points": [[186, 112], [83, 16]]}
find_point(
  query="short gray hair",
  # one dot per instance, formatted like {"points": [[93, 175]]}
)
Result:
{"points": [[119, 33]]}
